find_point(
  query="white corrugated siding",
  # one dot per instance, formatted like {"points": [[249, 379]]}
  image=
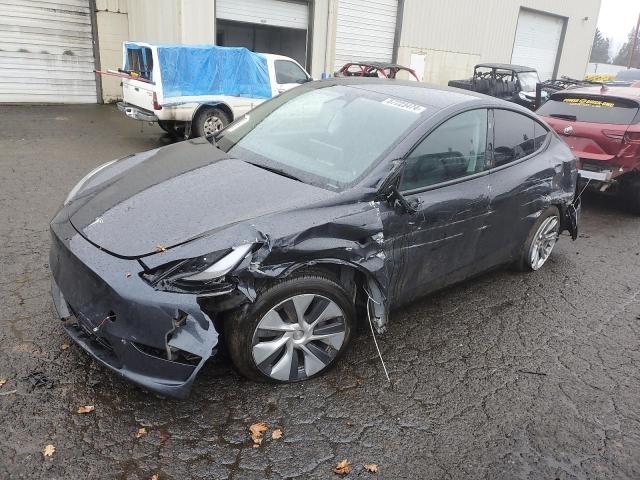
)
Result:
{"points": [[46, 52], [537, 41], [365, 30], [265, 12]]}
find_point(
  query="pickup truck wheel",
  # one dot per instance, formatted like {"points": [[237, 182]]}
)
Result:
{"points": [[208, 121], [296, 329], [540, 241]]}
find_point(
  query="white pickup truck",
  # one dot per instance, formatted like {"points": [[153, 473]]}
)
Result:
{"points": [[195, 91]]}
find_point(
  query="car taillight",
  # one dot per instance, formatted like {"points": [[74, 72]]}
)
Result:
{"points": [[613, 134], [156, 105], [632, 137]]}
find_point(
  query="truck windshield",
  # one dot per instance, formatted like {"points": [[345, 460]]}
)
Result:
{"points": [[528, 81], [329, 136], [590, 108]]}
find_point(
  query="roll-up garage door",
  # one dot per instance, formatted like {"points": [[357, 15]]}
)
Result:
{"points": [[46, 52], [276, 13], [537, 42], [365, 30]]}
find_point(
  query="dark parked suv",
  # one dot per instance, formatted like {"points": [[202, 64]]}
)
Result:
{"points": [[329, 205]]}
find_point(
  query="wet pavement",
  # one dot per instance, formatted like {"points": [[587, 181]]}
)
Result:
{"points": [[509, 375]]}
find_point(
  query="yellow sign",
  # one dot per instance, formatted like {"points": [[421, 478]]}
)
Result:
{"points": [[588, 102]]}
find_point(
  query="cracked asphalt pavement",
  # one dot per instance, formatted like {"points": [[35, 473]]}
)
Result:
{"points": [[509, 375]]}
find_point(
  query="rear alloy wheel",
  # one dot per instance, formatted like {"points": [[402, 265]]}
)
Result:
{"points": [[296, 331], [208, 121], [541, 240]]}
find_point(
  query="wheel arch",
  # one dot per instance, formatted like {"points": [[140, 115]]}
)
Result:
{"points": [[360, 283], [220, 105]]}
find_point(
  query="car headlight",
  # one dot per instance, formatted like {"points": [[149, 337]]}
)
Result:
{"points": [[197, 274], [222, 266], [74, 191]]}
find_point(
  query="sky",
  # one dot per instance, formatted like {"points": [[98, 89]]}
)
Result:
{"points": [[616, 19]]}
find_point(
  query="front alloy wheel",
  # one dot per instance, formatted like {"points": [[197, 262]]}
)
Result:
{"points": [[296, 329], [299, 337]]}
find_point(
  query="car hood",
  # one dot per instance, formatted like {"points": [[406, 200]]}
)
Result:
{"points": [[180, 193]]}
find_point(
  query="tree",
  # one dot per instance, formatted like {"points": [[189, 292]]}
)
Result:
{"points": [[622, 58], [600, 48]]}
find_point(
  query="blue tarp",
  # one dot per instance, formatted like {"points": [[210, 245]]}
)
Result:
{"points": [[200, 70]]}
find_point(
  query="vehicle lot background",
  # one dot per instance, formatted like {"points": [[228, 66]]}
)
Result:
{"points": [[460, 405]]}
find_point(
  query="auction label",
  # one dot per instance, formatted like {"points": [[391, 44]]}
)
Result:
{"points": [[404, 105]]}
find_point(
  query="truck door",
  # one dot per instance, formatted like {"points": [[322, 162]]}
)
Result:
{"points": [[288, 75]]}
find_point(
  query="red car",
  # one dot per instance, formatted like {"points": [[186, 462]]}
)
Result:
{"points": [[601, 125], [377, 70]]}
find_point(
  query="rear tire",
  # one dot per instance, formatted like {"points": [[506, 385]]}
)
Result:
{"points": [[273, 320], [631, 194], [540, 242], [208, 121]]}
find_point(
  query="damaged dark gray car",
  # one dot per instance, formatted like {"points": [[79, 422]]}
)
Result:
{"points": [[332, 203]]}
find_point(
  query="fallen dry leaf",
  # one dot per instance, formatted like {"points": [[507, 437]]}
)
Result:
{"points": [[371, 467], [86, 409], [3, 381], [161, 248], [48, 450], [64, 346], [257, 429], [276, 434], [155, 476], [164, 436], [343, 467], [141, 432]]}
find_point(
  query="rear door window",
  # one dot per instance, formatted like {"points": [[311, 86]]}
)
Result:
{"points": [[515, 136], [590, 108]]}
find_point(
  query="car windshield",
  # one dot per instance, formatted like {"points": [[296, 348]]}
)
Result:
{"points": [[528, 81], [329, 136]]}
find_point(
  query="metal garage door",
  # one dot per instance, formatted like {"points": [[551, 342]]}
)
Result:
{"points": [[265, 12], [365, 30], [46, 52], [537, 41]]}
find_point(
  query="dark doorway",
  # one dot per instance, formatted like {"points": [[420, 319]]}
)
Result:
{"points": [[291, 42]]}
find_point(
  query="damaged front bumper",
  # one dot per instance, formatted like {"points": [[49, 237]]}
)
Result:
{"points": [[158, 340]]}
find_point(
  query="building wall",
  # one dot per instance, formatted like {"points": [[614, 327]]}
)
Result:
{"points": [[456, 34], [113, 29], [452, 36], [172, 21]]}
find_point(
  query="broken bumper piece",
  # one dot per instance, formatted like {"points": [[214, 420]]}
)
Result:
{"points": [[157, 340]]}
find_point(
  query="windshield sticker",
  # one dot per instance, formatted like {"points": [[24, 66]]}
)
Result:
{"points": [[404, 105], [589, 102]]}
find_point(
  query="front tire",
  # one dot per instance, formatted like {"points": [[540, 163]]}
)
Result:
{"points": [[208, 121], [540, 242], [296, 329]]}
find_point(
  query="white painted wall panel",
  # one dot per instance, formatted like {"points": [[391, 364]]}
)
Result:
{"points": [[460, 29], [537, 41], [365, 30], [46, 52], [265, 12]]}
